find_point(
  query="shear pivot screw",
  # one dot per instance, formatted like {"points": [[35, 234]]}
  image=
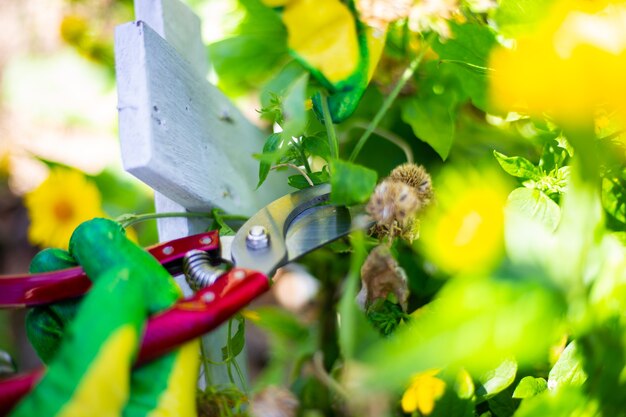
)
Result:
{"points": [[168, 250], [257, 238]]}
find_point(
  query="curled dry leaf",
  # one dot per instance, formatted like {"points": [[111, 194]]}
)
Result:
{"points": [[274, 401], [381, 275]]}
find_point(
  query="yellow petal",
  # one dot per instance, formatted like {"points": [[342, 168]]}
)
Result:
{"points": [[424, 390]]}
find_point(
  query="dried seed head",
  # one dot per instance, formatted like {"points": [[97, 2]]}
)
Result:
{"points": [[274, 401], [393, 201], [381, 275], [379, 13], [416, 177], [397, 201]]}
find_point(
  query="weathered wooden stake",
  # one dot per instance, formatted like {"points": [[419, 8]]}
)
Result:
{"points": [[180, 135]]}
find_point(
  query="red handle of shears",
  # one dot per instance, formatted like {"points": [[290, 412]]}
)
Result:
{"points": [[34, 289], [187, 320]]}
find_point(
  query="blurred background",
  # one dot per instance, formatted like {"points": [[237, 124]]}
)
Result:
{"points": [[59, 150], [57, 112]]}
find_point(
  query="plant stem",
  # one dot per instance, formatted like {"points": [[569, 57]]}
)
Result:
{"points": [[406, 75], [330, 129], [322, 375], [300, 149], [390, 136], [127, 220], [229, 353], [300, 170], [205, 365], [240, 375]]}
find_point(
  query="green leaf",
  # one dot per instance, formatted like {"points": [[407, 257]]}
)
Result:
{"points": [[451, 405], [351, 183], [518, 167], [474, 322], [432, 118], [254, 51], [294, 110], [464, 385], [467, 53], [355, 332], [272, 144], [568, 370], [503, 404], [496, 381], [614, 198], [515, 17], [237, 341], [567, 402], [220, 224], [534, 204], [278, 85], [280, 323], [299, 182], [529, 387], [316, 146]]}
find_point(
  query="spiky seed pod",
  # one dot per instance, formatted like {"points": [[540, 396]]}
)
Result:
{"points": [[416, 177], [393, 201], [397, 201]]}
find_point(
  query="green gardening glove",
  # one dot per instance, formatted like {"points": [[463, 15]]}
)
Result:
{"points": [[339, 50], [90, 345]]}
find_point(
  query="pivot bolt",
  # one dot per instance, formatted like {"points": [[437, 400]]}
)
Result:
{"points": [[257, 238]]}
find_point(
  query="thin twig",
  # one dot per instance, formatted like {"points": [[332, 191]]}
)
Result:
{"points": [[300, 149], [390, 136], [127, 220], [406, 75], [300, 170], [330, 129], [322, 375]]}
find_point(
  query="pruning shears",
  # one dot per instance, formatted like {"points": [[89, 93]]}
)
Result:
{"points": [[280, 233]]}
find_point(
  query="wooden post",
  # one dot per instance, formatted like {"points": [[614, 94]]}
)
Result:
{"points": [[180, 135]]}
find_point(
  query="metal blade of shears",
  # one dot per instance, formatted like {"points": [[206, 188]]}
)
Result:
{"points": [[294, 225]]}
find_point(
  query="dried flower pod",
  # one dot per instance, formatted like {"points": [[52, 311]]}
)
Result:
{"points": [[416, 177], [397, 201], [381, 275], [393, 201], [274, 401], [379, 13]]}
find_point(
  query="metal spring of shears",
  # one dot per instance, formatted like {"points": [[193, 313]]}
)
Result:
{"points": [[199, 273]]}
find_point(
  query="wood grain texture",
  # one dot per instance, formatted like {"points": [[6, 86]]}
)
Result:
{"points": [[181, 135], [176, 23]]}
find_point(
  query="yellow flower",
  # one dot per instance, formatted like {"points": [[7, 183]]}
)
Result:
{"points": [[570, 66], [62, 202], [73, 29], [424, 390], [465, 230]]}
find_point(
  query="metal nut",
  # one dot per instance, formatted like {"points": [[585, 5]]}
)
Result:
{"points": [[257, 238]]}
